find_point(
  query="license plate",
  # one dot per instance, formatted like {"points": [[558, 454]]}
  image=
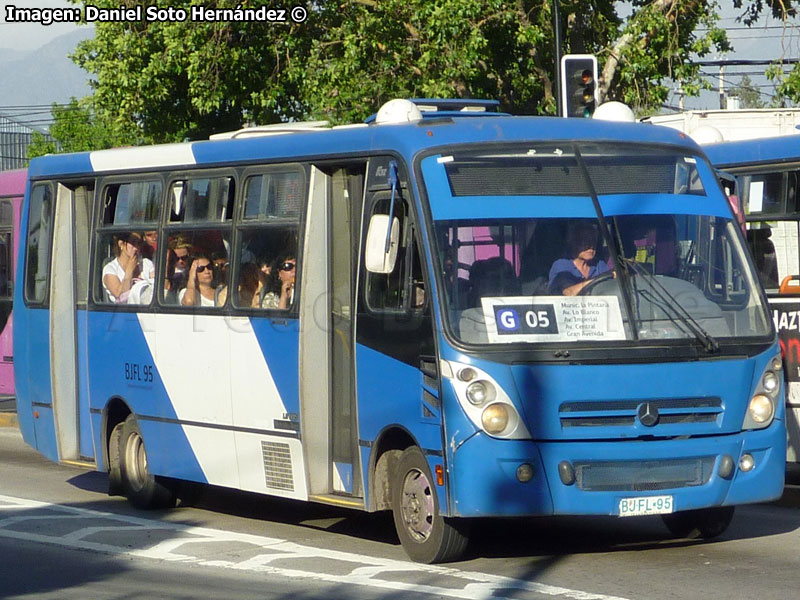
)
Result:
{"points": [[645, 505]]}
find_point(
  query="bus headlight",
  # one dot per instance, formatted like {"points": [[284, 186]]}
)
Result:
{"points": [[763, 405], [495, 418], [467, 374], [761, 409], [485, 401], [480, 392], [771, 383]]}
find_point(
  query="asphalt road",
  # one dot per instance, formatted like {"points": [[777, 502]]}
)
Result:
{"points": [[62, 536]]}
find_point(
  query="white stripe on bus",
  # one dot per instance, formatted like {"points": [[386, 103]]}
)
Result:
{"points": [[124, 159], [214, 371]]}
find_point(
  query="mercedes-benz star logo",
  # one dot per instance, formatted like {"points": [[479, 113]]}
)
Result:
{"points": [[648, 414]]}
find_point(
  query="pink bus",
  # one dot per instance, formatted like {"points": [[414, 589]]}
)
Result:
{"points": [[12, 188]]}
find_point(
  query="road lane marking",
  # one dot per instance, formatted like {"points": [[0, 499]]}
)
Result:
{"points": [[365, 571]]}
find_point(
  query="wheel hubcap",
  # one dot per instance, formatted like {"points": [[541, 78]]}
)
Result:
{"points": [[136, 461], [417, 505]]}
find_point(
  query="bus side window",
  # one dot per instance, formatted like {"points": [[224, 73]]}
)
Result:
{"points": [[38, 243], [763, 250], [764, 193], [209, 247], [6, 249], [201, 199], [262, 263], [131, 202], [267, 258], [124, 267]]}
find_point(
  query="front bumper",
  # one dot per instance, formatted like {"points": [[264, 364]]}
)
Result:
{"points": [[483, 481]]}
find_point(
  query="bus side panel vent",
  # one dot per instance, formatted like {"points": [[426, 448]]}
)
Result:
{"points": [[278, 466]]}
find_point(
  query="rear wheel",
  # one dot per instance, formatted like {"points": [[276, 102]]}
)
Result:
{"points": [[114, 475], [705, 523], [140, 487], [426, 536]]}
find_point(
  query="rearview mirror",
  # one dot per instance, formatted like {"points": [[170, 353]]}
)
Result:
{"points": [[377, 258]]}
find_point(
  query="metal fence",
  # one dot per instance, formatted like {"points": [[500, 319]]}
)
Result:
{"points": [[15, 138]]}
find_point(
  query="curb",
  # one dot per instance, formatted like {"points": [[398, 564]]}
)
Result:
{"points": [[8, 420]]}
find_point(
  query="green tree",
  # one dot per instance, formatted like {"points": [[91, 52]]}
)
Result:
{"points": [[184, 80], [77, 127], [748, 93], [187, 79], [787, 85]]}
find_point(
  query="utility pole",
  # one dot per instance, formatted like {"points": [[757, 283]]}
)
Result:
{"points": [[722, 87], [557, 58]]}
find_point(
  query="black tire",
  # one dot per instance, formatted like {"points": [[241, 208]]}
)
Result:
{"points": [[140, 487], [114, 475], [426, 536], [705, 523]]}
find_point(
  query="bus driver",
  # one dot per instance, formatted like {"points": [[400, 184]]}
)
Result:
{"points": [[568, 276]]}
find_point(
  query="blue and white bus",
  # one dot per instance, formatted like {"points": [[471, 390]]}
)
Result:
{"points": [[765, 183], [441, 316]]}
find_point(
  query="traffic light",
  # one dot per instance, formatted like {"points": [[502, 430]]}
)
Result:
{"points": [[579, 85]]}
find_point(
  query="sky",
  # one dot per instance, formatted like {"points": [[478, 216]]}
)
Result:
{"points": [[22, 36], [765, 41]]}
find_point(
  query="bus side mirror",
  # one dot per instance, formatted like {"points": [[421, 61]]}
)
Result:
{"points": [[377, 258]]}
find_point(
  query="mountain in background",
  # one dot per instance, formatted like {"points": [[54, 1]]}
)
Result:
{"points": [[11, 55], [41, 77]]}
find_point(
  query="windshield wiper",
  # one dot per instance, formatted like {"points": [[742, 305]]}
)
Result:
{"points": [[605, 231], [670, 304]]}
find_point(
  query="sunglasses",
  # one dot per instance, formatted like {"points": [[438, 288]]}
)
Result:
{"points": [[287, 266], [182, 258], [202, 268]]}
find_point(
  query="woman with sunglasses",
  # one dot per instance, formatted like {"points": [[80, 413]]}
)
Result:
{"points": [[282, 279], [199, 290]]}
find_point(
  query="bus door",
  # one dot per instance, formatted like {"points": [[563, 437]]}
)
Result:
{"points": [[68, 296], [327, 363]]}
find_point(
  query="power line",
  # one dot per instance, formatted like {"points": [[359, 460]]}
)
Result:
{"points": [[754, 28]]}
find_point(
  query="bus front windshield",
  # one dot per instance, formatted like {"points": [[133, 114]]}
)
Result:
{"points": [[582, 243]]}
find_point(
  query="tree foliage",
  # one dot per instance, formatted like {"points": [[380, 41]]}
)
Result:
{"points": [[184, 80], [749, 95], [78, 127]]}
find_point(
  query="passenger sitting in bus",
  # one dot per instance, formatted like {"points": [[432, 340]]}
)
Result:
{"points": [[150, 244], [265, 266], [280, 292], [198, 290], [182, 248], [127, 268], [568, 276], [170, 288], [492, 277], [220, 260], [249, 288]]}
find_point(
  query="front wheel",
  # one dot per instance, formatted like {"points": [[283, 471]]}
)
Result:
{"points": [[705, 523], [140, 487], [426, 536]]}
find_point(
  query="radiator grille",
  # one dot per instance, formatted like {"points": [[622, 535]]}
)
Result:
{"points": [[642, 476], [622, 413], [278, 466]]}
